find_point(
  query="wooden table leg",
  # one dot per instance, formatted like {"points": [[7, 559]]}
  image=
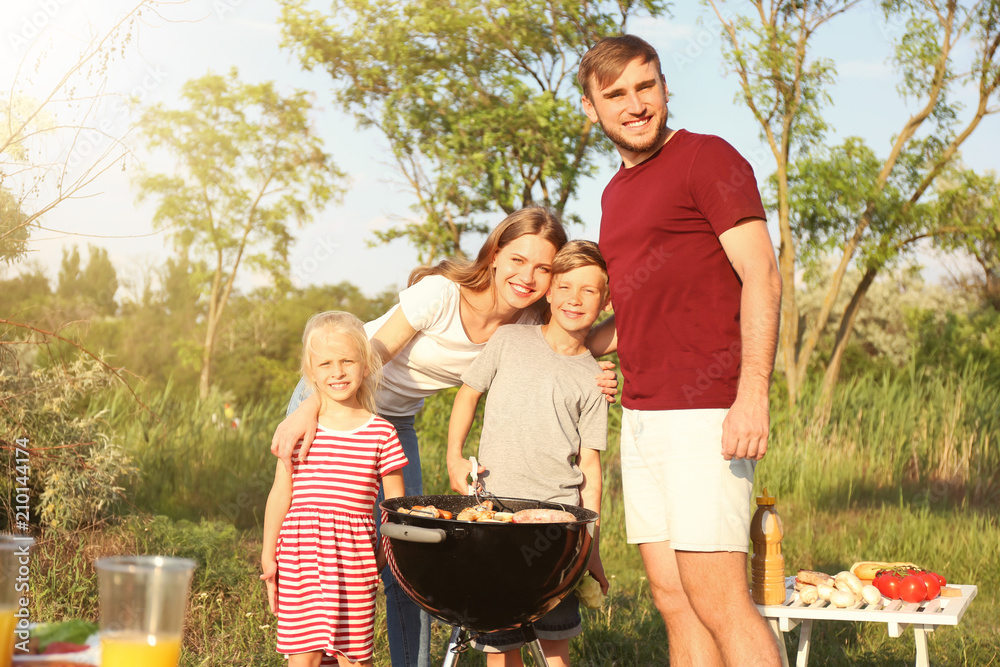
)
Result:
{"points": [[805, 636], [776, 629], [920, 636]]}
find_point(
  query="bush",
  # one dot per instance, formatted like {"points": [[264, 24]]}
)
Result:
{"points": [[76, 470]]}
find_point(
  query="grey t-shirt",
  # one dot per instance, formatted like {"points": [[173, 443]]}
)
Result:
{"points": [[542, 407]]}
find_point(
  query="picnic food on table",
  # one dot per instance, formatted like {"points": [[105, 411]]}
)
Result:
{"points": [[909, 583], [895, 581], [811, 577]]}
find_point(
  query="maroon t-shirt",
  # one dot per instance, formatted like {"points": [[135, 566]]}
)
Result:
{"points": [[676, 297]]}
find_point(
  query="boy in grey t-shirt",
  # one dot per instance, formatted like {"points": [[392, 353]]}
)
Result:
{"points": [[545, 424]]}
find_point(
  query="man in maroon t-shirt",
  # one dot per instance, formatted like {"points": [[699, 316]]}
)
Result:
{"points": [[696, 293]]}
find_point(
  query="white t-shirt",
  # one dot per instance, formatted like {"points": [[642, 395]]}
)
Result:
{"points": [[437, 355]]}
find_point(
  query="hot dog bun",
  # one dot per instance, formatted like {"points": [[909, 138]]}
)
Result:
{"points": [[867, 569]]}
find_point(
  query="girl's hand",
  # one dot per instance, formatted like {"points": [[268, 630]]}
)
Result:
{"points": [[458, 474], [300, 425], [270, 578], [608, 381]]}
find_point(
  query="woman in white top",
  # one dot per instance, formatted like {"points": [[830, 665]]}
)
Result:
{"points": [[443, 320]]}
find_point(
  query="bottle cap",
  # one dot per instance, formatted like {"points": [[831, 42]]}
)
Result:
{"points": [[765, 499]]}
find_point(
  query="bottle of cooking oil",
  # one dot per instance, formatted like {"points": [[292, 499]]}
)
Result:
{"points": [[767, 567]]}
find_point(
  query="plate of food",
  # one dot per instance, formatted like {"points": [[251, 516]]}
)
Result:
{"points": [[71, 643]]}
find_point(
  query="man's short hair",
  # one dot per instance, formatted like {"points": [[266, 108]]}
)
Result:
{"points": [[579, 253], [607, 59]]}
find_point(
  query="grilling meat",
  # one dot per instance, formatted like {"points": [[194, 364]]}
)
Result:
{"points": [[543, 516]]}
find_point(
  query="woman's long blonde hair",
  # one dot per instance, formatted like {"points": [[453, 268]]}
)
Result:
{"points": [[336, 321], [478, 274]]}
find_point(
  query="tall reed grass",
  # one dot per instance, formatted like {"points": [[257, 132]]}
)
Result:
{"points": [[921, 435]]}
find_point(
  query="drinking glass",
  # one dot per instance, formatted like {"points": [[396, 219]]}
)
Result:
{"points": [[143, 599]]}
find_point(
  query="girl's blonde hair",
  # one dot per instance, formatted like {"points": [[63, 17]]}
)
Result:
{"points": [[478, 274], [336, 321]]}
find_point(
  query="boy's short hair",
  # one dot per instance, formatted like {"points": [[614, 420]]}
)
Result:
{"points": [[607, 59], [579, 253]]}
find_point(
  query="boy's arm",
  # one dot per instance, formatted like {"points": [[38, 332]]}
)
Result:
{"points": [[601, 340], [590, 494], [278, 501], [392, 484], [462, 414]]}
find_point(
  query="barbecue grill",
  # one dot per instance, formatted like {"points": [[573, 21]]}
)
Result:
{"points": [[479, 576]]}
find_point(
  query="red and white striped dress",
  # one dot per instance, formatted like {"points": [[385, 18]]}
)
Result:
{"points": [[326, 559]]}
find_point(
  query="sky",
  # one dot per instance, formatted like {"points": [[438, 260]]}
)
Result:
{"points": [[189, 39]]}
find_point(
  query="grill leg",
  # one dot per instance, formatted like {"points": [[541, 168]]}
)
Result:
{"points": [[534, 647], [458, 636]]}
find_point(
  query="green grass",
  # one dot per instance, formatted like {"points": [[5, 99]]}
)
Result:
{"points": [[906, 468]]}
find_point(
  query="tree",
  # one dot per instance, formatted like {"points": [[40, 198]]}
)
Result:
{"points": [[247, 164], [56, 143], [476, 99], [13, 229], [91, 287], [968, 207], [783, 90]]}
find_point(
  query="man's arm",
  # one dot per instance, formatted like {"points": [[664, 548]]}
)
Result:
{"points": [[603, 338], [748, 246]]}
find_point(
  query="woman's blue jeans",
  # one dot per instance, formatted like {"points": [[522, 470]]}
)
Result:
{"points": [[409, 626]]}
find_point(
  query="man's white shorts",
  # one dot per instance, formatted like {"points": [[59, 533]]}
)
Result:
{"points": [[677, 486]]}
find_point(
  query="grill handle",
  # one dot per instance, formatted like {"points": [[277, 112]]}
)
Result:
{"points": [[395, 531]]}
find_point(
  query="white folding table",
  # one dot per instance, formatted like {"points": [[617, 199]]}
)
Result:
{"points": [[896, 614]]}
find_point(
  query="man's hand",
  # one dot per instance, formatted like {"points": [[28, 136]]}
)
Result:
{"points": [[745, 429], [608, 381]]}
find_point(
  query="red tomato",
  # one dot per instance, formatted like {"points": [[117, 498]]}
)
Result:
{"points": [[912, 589], [931, 582], [942, 582], [888, 585], [64, 647]]}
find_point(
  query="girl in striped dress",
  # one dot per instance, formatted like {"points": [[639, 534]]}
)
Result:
{"points": [[321, 558]]}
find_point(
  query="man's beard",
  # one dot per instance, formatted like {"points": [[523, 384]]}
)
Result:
{"points": [[619, 139]]}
